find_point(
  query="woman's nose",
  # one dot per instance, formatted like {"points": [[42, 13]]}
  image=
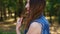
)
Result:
{"points": [[27, 6]]}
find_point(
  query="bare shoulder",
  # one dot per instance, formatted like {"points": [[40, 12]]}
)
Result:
{"points": [[34, 24], [35, 28]]}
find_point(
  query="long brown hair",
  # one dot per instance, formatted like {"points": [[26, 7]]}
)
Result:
{"points": [[37, 8]]}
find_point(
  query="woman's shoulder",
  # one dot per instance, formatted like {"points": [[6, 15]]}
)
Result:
{"points": [[35, 24], [35, 28]]}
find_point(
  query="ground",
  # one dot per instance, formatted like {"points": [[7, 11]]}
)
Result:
{"points": [[10, 28]]}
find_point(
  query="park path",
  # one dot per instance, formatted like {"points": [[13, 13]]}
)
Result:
{"points": [[54, 29]]}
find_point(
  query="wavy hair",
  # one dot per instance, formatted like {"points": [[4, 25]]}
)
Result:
{"points": [[36, 10]]}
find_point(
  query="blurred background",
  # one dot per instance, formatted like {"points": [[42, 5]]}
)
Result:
{"points": [[11, 9]]}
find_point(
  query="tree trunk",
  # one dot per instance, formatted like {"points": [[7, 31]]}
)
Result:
{"points": [[1, 18]]}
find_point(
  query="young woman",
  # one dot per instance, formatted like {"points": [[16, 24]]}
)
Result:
{"points": [[35, 22]]}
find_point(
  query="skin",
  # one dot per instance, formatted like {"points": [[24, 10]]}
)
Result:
{"points": [[35, 28], [19, 21]]}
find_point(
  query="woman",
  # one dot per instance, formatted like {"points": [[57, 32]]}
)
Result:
{"points": [[35, 22]]}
